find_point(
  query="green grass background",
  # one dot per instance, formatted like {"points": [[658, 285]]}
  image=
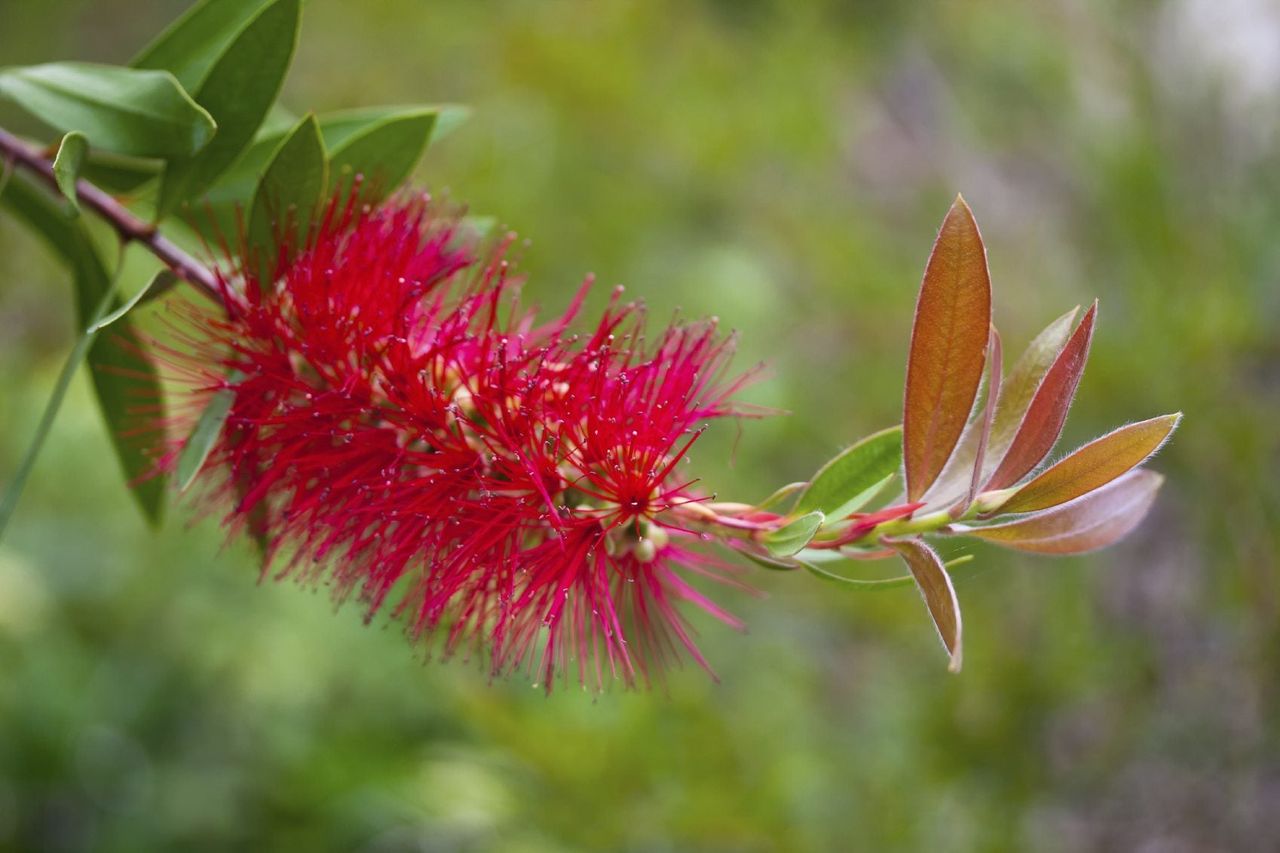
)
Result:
{"points": [[783, 165]]}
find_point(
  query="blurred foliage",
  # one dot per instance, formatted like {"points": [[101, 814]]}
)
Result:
{"points": [[782, 165]]}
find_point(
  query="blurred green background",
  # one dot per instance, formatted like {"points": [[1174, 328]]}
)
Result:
{"points": [[783, 165]]}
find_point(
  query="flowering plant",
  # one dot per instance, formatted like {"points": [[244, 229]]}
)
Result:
{"points": [[364, 394]]}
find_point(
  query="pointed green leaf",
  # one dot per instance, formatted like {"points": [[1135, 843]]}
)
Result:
{"points": [[241, 83], [877, 585], [948, 348], [203, 437], [855, 476], [124, 379], [117, 173], [67, 165], [795, 535], [383, 154], [190, 46], [292, 188], [939, 594], [125, 110]]}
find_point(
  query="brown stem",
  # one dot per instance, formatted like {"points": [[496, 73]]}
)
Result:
{"points": [[129, 227]]}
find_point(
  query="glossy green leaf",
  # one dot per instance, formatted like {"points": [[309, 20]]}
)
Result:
{"points": [[190, 46], [203, 437], [124, 378], [144, 113], [117, 173], [938, 592], [1096, 520], [162, 280], [878, 585], [383, 154], [782, 498], [948, 349], [853, 477], [68, 164], [1093, 465], [292, 187], [238, 89], [795, 535]]}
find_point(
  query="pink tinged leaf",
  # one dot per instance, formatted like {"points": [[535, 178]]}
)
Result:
{"points": [[1094, 465], [995, 365], [1088, 523], [1019, 387], [948, 348], [1047, 412], [1014, 396], [939, 595]]}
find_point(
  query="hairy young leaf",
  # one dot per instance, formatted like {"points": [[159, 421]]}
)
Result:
{"points": [[1019, 387], [1096, 520], [995, 366], [1042, 424], [939, 594], [125, 110], [1093, 465], [292, 187], [124, 378], [67, 165], [239, 87], [794, 536], [854, 476], [948, 348]]}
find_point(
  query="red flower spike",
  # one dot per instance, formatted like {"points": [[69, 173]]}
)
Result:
{"points": [[404, 429]]}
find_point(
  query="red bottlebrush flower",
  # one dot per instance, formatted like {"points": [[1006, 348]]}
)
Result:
{"points": [[401, 428]]}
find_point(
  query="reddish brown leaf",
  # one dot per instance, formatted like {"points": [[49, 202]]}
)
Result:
{"points": [[1019, 387], [1094, 465], [939, 595], [1100, 518], [948, 348], [1043, 421]]}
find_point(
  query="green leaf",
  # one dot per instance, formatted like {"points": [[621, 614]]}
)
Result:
{"points": [[203, 437], [948, 348], [383, 153], [291, 189], [125, 110], [877, 585], [162, 280], [67, 165], [242, 81], [118, 173], [190, 46], [783, 496], [449, 117], [795, 535], [124, 378], [847, 482]]}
